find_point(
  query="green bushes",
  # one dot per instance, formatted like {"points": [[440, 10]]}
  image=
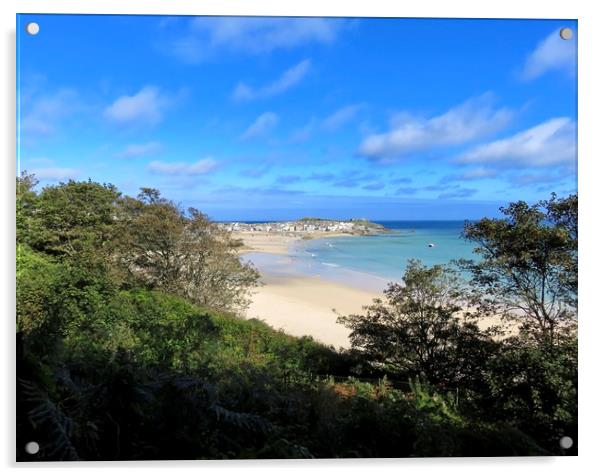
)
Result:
{"points": [[128, 349], [166, 331], [160, 378]]}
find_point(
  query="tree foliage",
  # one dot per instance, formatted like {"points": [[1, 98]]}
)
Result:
{"points": [[527, 266], [185, 254], [422, 328]]}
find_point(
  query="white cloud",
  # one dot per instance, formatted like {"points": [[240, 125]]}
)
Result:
{"points": [[42, 114], [139, 150], [469, 121], [55, 174], [201, 167], [341, 117], [287, 80], [146, 107], [553, 53], [210, 36], [551, 142], [261, 126]]}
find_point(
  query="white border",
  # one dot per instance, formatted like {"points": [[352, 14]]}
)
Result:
{"points": [[590, 68]]}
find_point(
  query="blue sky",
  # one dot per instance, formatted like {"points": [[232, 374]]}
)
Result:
{"points": [[266, 118]]}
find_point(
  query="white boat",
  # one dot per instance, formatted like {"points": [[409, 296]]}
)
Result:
{"points": [[431, 245]]}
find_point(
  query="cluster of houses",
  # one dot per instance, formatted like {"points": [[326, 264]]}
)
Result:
{"points": [[306, 226]]}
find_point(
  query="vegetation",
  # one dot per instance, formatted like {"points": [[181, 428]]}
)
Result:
{"points": [[528, 266], [130, 346], [423, 329]]}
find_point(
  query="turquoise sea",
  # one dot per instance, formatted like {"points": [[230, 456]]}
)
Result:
{"points": [[371, 261]]}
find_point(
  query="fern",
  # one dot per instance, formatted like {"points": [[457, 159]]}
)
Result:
{"points": [[46, 415]]}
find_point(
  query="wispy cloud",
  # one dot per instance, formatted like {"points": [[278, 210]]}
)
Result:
{"points": [[146, 107], [398, 180], [140, 150], [322, 177], [407, 191], [304, 133], [530, 179], [551, 142], [469, 121], [341, 117], [55, 174], [288, 179], [261, 126], [551, 54], [330, 123], [207, 37], [256, 172], [285, 81], [200, 167], [374, 186], [459, 193], [41, 115], [477, 173], [354, 179]]}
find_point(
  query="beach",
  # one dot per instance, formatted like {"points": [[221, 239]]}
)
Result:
{"points": [[276, 243], [306, 306], [299, 304], [305, 297]]}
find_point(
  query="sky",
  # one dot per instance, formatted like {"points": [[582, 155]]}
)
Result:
{"points": [[277, 118]]}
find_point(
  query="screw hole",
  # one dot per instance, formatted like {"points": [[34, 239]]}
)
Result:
{"points": [[32, 28], [32, 447], [566, 33], [566, 442]]}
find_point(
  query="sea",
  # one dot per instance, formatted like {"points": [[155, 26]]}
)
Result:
{"points": [[371, 261]]}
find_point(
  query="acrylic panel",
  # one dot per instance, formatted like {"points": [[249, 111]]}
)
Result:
{"points": [[282, 237]]}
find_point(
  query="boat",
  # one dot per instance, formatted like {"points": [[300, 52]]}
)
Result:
{"points": [[431, 245]]}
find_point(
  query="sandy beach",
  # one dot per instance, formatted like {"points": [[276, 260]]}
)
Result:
{"points": [[301, 305], [306, 304], [264, 242]]}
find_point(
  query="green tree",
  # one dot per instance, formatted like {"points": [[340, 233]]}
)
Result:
{"points": [[534, 388], [422, 328], [183, 253], [73, 217], [26, 203], [527, 269]]}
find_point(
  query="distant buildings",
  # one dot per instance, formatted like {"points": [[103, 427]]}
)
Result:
{"points": [[353, 227]]}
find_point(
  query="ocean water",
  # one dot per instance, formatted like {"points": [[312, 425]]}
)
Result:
{"points": [[371, 261]]}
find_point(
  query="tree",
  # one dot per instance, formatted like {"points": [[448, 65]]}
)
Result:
{"points": [[564, 213], [534, 388], [527, 269], [186, 254], [26, 202], [422, 329], [71, 218]]}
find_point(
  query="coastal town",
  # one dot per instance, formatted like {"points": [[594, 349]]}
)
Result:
{"points": [[308, 226]]}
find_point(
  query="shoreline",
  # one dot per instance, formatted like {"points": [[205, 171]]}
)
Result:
{"points": [[278, 243], [302, 303], [304, 298]]}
